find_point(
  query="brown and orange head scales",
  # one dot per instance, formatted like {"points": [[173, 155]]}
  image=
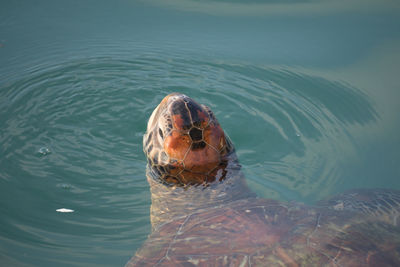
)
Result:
{"points": [[185, 144]]}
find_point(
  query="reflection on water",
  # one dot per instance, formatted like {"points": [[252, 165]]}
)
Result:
{"points": [[256, 1], [274, 7]]}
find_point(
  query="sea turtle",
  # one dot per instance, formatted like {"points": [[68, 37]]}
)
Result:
{"points": [[203, 213]]}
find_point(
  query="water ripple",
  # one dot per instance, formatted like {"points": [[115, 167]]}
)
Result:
{"points": [[288, 127]]}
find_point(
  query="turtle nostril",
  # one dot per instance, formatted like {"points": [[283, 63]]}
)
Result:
{"points": [[160, 133], [196, 134]]}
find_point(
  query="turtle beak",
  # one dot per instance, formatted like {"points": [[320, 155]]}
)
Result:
{"points": [[164, 104], [172, 97]]}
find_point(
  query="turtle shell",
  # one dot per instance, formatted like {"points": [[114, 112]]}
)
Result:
{"points": [[204, 215], [261, 232]]}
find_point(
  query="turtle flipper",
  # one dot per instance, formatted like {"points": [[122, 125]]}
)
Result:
{"points": [[382, 204]]}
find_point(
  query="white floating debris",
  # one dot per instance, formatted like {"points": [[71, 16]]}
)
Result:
{"points": [[64, 210]]}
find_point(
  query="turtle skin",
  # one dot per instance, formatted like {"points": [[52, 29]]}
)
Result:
{"points": [[263, 232]]}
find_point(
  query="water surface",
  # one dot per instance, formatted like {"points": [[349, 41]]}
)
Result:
{"points": [[307, 90]]}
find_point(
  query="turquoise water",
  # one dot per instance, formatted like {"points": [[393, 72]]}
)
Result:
{"points": [[307, 90]]}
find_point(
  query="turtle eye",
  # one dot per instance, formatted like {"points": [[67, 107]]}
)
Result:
{"points": [[160, 133]]}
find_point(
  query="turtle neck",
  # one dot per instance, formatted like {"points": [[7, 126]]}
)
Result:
{"points": [[169, 202]]}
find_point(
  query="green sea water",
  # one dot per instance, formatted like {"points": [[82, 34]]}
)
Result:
{"points": [[308, 91]]}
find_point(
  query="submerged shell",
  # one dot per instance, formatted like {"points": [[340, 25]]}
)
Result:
{"points": [[261, 232]]}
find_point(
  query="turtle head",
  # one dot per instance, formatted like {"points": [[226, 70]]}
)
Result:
{"points": [[185, 144]]}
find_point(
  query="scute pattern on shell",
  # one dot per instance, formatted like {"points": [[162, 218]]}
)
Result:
{"points": [[259, 232]]}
